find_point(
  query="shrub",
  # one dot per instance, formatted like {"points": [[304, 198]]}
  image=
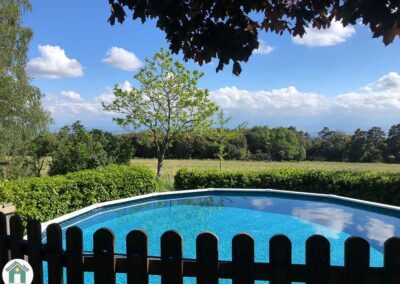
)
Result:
{"points": [[49, 197], [373, 186], [77, 150]]}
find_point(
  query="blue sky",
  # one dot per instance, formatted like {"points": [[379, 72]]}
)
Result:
{"points": [[340, 78]]}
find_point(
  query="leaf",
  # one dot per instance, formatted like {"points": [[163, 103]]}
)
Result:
{"points": [[389, 36], [237, 69]]}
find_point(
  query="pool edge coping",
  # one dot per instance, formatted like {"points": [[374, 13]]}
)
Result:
{"points": [[179, 192]]}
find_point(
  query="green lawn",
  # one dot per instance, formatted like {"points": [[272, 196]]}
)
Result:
{"points": [[171, 166]]}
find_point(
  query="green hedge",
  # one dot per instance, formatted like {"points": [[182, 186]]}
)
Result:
{"points": [[374, 186], [49, 197]]}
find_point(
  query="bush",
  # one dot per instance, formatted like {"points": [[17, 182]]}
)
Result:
{"points": [[373, 186], [49, 197], [77, 150]]}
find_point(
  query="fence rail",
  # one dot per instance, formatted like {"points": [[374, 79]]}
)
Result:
{"points": [[172, 267]]}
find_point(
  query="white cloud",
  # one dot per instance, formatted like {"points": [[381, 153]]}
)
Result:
{"points": [[268, 103], [376, 102], [261, 203], [122, 59], [53, 63], [107, 96], [72, 106], [377, 230], [333, 35], [75, 110], [263, 48], [380, 96], [125, 86], [334, 219], [71, 95], [377, 98]]}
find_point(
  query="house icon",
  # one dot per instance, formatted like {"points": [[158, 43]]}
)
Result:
{"points": [[17, 273]]}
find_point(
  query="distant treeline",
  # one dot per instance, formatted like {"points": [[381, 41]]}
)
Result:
{"points": [[75, 148], [281, 144]]}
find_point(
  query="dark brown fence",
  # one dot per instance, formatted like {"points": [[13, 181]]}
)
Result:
{"points": [[206, 268]]}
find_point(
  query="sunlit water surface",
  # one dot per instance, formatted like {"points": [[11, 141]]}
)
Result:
{"points": [[262, 215]]}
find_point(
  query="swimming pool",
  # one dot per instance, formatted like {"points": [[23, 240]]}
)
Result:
{"points": [[260, 213]]}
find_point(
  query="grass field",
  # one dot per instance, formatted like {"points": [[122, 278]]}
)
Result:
{"points": [[172, 166]]}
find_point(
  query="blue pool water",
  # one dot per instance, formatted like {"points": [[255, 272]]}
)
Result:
{"points": [[261, 215]]}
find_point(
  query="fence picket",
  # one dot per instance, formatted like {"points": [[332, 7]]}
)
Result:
{"points": [[207, 268], [171, 257], [137, 252], [54, 254], [317, 260], [34, 245], [392, 260], [74, 256], [3, 242], [280, 257], [103, 249], [207, 258], [243, 259], [16, 235], [356, 260]]}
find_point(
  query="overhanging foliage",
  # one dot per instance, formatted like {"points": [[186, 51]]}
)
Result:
{"points": [[228, 29]]}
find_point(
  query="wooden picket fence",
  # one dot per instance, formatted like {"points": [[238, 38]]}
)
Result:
{"points": [[172, 267]]}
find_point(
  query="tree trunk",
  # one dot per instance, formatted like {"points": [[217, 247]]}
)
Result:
{"points": [[160, 159]]}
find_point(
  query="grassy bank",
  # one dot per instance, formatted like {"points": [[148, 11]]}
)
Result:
{"points": [[172, 166]]}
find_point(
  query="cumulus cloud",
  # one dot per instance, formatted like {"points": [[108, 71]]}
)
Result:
{"points": [[75, 110], [377, 101], [53, 63], [334, 219], [72, 106], [382, 95], [334, 35], [122, 59], [267, 103], [261, 203], [263, 48], [125, 86], [71, 95], [107, 96], [377, 230], [379, 97]]}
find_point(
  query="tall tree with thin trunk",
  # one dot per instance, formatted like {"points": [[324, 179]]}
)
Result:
{"points": [[22, 117], [167, 102], [222, 136]]}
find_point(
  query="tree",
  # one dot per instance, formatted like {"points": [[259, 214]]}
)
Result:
{"points": [[358, 146], [41, 148], [376, 145], [285, 145], [222, 136], [393, 143], [77, 150], [167, 102], [193, 145], [333, 145], [22, 117], [119, 149], [259, 142], [228, 30]]}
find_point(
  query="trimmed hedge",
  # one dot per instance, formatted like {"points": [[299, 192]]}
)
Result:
{"points": [[49, 197], [374, 186]]}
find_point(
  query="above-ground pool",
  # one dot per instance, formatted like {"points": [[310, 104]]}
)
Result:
{"points": [[226, 213]]}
